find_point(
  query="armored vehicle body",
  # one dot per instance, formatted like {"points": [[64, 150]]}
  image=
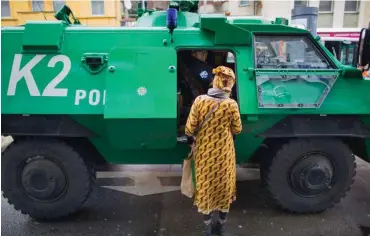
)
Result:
{"points": [[74, 97]]}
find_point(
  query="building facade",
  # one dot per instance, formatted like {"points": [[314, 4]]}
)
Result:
{"points": [[129, 15], [236, 7], [332, 14], [89, 12], [340, 13]]}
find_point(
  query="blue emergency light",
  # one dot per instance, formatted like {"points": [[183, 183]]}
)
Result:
{"points": [[171, 20]]}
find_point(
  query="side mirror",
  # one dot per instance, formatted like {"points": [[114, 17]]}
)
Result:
{"points": [[363, 51]]}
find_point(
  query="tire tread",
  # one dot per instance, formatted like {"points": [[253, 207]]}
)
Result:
{"points": [[299, 144], [57, 144]]}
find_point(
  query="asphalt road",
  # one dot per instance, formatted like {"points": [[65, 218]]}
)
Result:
{"points": [[116, 209]]}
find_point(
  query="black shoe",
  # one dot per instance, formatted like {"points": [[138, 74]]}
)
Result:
{"points": [[208, 229], [221, 229]]}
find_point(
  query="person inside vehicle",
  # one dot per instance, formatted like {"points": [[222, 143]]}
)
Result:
{"points": [[200, 69], [194, 78]]}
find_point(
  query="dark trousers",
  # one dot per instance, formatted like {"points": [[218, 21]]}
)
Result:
{"points": [[222, 216]]}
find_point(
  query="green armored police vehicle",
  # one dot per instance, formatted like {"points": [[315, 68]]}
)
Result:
{"points": [[74, 97]]}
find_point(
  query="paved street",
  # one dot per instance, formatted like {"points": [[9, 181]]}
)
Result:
{"points": [[126, 203]]}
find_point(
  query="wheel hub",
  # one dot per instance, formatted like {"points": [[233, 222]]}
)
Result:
{"points": [[43, 179], [312, 175]]}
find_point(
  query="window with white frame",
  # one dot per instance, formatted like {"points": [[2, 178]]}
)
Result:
{"points": [[326, 6], [351, 14], [5, 8], [243, 2], [298, 3], [37, 5], [351, 6], [97, 7], [58, 4]]}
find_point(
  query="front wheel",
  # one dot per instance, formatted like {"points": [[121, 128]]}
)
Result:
{"points": [[311, 175], [45, 179]]}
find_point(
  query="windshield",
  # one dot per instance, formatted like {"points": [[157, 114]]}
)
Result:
{"points": [[293, 52]]}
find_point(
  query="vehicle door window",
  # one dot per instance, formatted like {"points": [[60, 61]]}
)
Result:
{"points": [[290, 52], [292, 72]]}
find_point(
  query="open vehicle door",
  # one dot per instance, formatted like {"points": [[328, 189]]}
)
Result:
{"points": [[363, 52]]}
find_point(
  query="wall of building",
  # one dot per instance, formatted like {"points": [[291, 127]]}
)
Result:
{"points": [[271, 9], [264, 8], [366, 13], [336, 17], [236, 8], [341, 15], [158, 4], [21, 11]]}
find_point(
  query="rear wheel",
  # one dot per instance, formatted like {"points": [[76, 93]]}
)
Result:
{"points": [[45, 179], [311, 175]]}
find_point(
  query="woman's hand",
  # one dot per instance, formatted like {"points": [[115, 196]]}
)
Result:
{"points": [[190, 140], [192, 146]]}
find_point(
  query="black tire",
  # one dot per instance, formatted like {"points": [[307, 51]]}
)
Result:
{"points": [[293, 193], [45, 179]]}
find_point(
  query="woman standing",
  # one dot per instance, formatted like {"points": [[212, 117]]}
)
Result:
{"points": [[214, 118]]}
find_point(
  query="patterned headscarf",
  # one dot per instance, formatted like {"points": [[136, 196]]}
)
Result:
{"points": [[224, 78]]}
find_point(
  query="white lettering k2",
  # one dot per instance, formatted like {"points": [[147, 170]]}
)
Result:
{"points": [[17, 74]]}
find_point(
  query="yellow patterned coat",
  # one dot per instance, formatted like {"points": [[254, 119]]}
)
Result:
{"points": [[214, 153]]}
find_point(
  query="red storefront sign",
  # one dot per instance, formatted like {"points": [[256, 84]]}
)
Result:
{"points": [[339, 34]]}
